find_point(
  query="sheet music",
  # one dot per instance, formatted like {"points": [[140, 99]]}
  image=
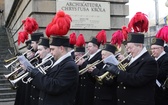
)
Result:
{"points": [[111, 59], [24, 61]]}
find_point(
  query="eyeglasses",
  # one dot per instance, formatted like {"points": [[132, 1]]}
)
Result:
{"points": [[155, 48]]}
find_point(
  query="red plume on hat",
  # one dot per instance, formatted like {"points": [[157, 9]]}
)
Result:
{"points": [[117, 38], [125, 32], [60, 24], [101, 37], [163, 33], [139, 23], [30, 25], [23, 35], [80, 42], [72, 38]]}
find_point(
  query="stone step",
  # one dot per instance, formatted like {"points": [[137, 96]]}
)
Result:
{"points": [[5, 85], [6, 90], [7, 100], [7, 95]]}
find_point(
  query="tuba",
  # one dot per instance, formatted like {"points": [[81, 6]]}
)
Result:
{"points": [[122, 65]]}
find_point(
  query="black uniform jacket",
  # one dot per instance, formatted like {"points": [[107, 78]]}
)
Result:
{"points": [[137, 84], [105, 92], [87, 82], [161, 96], [58, 86], [34, 92]]}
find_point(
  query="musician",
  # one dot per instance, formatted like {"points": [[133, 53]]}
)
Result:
{"points": [[35, 39], [80, 57], [31, 53], [87, 81], [72, 42], [21, 94], [157, 49], [105, 92], [59, 85], [136, 85], [44, 53], [29, 87]]}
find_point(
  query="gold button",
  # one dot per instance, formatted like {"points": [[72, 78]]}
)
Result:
{"points": [[124, 102]]}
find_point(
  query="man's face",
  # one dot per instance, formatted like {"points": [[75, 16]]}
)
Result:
{"points": [[42, 51], [105, 54], [77, 55], [34, 45], [133, 49], [156, 50], [91, 48], [55, 51]]}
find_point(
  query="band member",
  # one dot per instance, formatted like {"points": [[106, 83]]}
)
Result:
{"points": [[59, 85], [44, 53], [137, 83], [87, 82], [80, 57], [72, 42], [34, 40], [157, 49], [31, 53], [105, 92], [21, 94]]}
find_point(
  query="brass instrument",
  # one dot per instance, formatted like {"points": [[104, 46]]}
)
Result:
{"points": [[10, 64], [91, 65], [8, 60], [81, 57], [40, 68], [43, 69], [7, 76], [120, 66], [14, 61]]}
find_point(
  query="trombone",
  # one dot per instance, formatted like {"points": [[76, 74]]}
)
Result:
{"points": [[120, 66], [91, 65]]}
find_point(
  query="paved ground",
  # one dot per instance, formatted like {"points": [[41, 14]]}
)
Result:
{"points": [[6, 103]]}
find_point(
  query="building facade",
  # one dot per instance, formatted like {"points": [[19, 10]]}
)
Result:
{"points": [[44, 10]]}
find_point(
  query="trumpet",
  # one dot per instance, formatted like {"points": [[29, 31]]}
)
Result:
{"points": [[40, 68], [10, 64], [7, 76], [91, 65], [120, 66], [8, 60], [81, 57], [43, 69]]}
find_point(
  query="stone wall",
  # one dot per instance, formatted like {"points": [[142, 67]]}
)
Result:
{"points": [[44, 11]]}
